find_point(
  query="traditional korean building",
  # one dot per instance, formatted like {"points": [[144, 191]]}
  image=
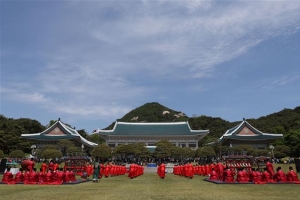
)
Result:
{"points": [[245, 134], [58, 131], [178, 133]]}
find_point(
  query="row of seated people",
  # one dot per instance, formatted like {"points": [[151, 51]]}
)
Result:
{"points": [[33, 177], [257, 176]]}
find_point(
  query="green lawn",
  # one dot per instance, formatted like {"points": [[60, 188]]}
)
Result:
{"points": [[149, 186]]}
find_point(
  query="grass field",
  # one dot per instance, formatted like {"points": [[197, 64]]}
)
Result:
{"points": [[149, 186]]}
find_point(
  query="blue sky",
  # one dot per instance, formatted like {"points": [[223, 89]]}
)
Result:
{"points": [[91, 62]]}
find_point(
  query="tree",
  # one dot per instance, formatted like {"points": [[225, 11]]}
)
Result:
{"points": [[95, 138], [260, 152], [17, 154], [140, 150], [65, 143], [124, 150], [101, 151], [163, 149], [51, 153], [74, 150], [292, 139], [281, 151], [207, 151], [1, 154], [243, 149]]}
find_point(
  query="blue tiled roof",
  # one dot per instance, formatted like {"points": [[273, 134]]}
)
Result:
{"points": [[176, 128]]}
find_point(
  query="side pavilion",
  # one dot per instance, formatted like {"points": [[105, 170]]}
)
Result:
{"points": [[178, 133], [245, 133], [58, 131]]}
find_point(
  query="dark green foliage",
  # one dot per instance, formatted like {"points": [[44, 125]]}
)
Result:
{"points": [[261, 152], [95, 138], [11, 130], [101, 151], [1, 154], [281, 151], [16, 154], [51, 153], [207, 151], [292, 139], [163, 149]]}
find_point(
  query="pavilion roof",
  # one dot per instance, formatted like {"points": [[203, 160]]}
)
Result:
{"points": [[161, 129], [58, 131], [245, 131]]}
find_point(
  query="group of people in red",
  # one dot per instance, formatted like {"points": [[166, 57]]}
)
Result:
{"points": [[245, 175], [135, 170], [49, 175], [219, 172], [111, 170], [186, 170]]}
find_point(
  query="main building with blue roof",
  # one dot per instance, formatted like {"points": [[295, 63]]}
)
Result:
{"points": [[178, 133]]}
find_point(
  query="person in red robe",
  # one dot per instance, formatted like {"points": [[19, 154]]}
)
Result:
{"points": [[19, 178], [102, 170], [207, 169], [41, 177], [190, 170], [30, 165], [50, 166], [107, 170], [292, 175], [8, 177], [89, 169], [228, 176], [213, 174], [280, 175], [44, 167], [266, 177], [72, 176], [270, 168], [259, 176], [162, 171], [131, 171], [55, 166], [220, 170], [66, 177], [48, 177], [241, 176], [59, 177], [33, 177], [27, 177]]}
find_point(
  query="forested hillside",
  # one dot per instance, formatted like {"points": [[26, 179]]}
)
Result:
{"points": [[286, 122]]}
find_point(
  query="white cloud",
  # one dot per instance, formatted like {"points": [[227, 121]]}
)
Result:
{"points": [[274, 82], [120, 49]]}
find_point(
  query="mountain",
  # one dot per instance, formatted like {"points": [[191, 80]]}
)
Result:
{"points": [[152, 112], [279, 122]]}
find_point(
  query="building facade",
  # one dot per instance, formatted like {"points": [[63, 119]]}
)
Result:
{"points": [[178, 133]]}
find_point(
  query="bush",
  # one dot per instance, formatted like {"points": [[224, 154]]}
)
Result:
{"points": [[16, 154], [1, 154]]}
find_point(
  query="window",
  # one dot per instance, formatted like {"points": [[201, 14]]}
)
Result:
{"points": [[192, 145], [111, 145]]}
